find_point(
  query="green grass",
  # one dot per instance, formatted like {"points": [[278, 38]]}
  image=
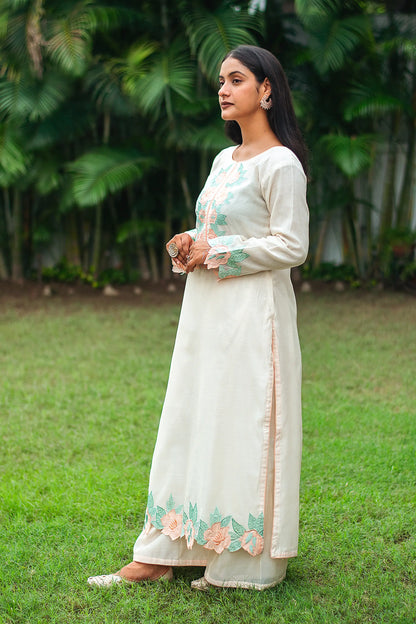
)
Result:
{"points": [[80, 396]]}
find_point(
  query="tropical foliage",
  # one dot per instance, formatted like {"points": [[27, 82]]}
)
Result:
{"points": [[109, 122]]}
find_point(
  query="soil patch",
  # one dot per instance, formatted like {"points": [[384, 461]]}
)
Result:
{"points": [[27, 295]]}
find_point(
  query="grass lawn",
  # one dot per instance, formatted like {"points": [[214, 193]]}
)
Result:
{"points": [[80, 395]]}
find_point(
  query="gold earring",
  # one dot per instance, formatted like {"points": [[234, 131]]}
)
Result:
{"points": [[266, 102]]}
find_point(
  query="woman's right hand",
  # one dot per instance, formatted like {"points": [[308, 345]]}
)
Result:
{"points": [[183, 242]]}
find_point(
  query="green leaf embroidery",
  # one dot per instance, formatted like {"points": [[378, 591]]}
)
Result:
{"points": [[159, 515], [225, 521], [215, 517], [238, 528], [201, 530], [193, 513], [224, 270], [238, 255], [235, 545], [256, 524]]}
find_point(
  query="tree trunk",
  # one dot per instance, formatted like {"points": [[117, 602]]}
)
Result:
{"points": [[153, 264], [186, 193], [97, 239], [317, 259], [405, 207], [16, 251], [142, 262], [72, 245], [6, 223], [4, 274], [166, 262], [144, 269], [387, 209]]}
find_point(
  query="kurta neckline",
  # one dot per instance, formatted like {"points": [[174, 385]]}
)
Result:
{"points": [[256, 155]]}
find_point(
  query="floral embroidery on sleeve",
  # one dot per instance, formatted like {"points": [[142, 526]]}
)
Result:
{"points": [[227, 262], [222, 532]]}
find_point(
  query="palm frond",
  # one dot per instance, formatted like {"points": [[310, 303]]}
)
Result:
{"points": [[4, 20], [213, 34], [49, 95], [92, 17], [31, 99], [351, 154], [332, 36], [69, 121], [313, 12], [104, 80], [15, 41], [14, 160], [209, 137], [335, 40], [170, 71], [366, 100], [69, 44], [103, 171], [136, 65], [14, 5], [45, 173]]}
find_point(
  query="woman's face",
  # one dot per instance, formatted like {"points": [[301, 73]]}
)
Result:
{"points": [[240, 93]]}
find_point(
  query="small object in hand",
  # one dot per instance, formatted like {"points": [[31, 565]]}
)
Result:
{"points": [[173, 250]]}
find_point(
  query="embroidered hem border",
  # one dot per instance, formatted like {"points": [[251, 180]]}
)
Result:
{"points": [[222, 532]]}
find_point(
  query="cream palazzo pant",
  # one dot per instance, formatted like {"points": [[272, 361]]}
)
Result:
{"points": [[237, 569]]}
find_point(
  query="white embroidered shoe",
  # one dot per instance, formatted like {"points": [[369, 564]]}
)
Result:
{"points": [[201, 584], [105, 580], [134, 572]]}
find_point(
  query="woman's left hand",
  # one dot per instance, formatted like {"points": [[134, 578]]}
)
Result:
{"points": [[197, 254]]}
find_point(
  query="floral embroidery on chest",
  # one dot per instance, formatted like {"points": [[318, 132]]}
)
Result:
{"points": [[222, 532], [217, 193]]}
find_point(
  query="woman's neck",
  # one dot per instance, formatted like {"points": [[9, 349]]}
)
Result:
{"points": [[257, 136]]}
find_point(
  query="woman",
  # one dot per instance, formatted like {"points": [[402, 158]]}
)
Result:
{"points": [[224, 483]]}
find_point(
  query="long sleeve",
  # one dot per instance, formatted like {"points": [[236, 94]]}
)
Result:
{"points": [[284, 192]]}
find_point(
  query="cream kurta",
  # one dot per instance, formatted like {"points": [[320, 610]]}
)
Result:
{"points": [[235, 380]]}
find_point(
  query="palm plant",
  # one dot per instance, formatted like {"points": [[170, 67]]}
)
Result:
{"points": [[336, 35], [387, 100], [45, 49]]}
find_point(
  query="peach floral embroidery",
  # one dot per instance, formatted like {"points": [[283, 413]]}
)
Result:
{"points": [[234, 175], [212, 216], [189, 531], [172, 524], [207, 195], [221, 196], [220, 256], [217, 537], [252, 542], [221, 177]]}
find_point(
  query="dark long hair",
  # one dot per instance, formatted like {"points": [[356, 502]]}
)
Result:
{"points": [[263, 64]]}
